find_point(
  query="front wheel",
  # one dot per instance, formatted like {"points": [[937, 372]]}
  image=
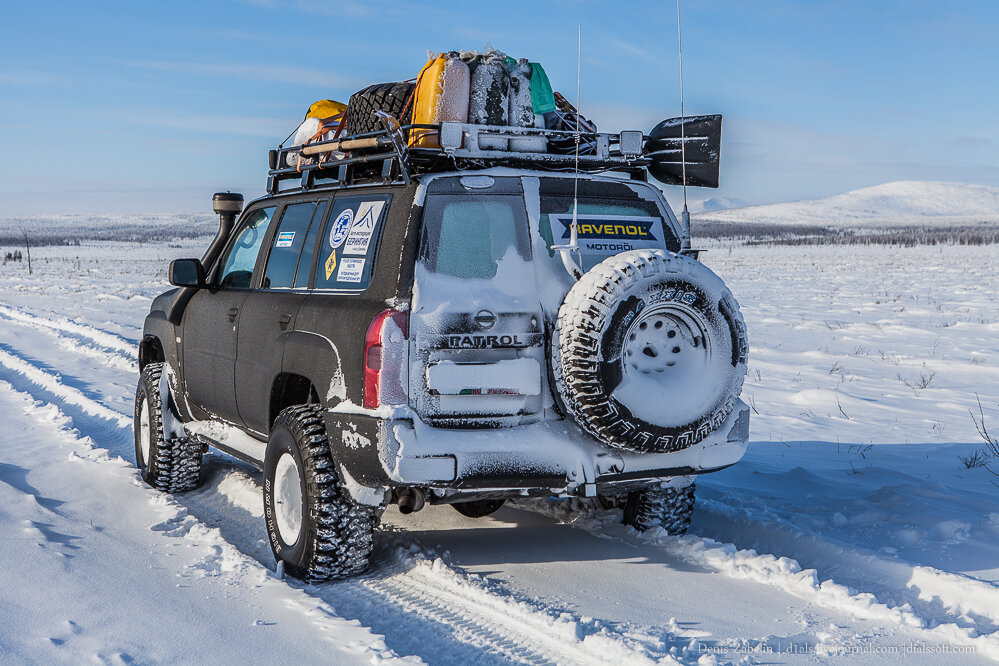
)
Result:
{"points": [[165, 461], [313, 525]]}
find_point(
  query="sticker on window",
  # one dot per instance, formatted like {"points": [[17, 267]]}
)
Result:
{"points": [[604, 235], [351, 269], [285, 239], [364, 227], [341, 227], [609, 227], [330, 264]]}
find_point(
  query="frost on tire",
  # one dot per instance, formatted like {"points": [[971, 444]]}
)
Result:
{"points": [[669, 509], [166, 461], [651, 351], [326, 535], [389, 97]]}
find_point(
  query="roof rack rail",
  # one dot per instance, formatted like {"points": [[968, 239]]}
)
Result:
{"points": [[384, 158]]}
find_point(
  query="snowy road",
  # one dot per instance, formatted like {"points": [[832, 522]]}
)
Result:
{"points": [[878, 542]]}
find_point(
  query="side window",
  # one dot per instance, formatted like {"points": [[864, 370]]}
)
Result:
{"points": [[241, 257], [348, 245], [287, 245], [309, 249]]}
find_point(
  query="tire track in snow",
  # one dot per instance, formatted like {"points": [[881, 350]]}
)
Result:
{"points": [[939, 597], [76, 345], [101, 337], [222, 557], [424, 606], [69, 395], [776, 571], [513, 629]]}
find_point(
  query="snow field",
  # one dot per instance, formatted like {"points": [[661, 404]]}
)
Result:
{"points": [[839, 531]]}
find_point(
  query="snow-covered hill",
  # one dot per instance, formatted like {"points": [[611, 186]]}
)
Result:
{"points": [[902, 203]]}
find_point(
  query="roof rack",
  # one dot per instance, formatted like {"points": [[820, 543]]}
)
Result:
{"points": [[384, 158]]}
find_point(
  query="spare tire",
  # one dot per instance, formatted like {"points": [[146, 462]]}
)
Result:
{"points": [[649, 353], [392, 98]]}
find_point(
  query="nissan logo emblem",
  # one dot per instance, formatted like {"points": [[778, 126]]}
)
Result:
{"points": [[485, 319]]}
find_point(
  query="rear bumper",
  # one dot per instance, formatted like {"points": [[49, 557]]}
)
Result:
{"points": [[546, 458]]}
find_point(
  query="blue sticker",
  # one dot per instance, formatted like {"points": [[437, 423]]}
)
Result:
{"points": [[285, 239], [341, 227]]}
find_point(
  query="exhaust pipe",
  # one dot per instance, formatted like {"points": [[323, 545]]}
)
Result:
{"points": [[409, 500]]}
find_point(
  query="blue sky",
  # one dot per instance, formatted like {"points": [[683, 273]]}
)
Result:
{"points": [[129, 106]]}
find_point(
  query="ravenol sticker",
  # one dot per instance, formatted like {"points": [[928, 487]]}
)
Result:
{"points": [[341, 227], [609, 227], [360, 235], [285, 239], [351, 269], [330, 264]]}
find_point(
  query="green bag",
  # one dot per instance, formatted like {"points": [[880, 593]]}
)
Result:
{"points": [[542, 96], [541, 90]]}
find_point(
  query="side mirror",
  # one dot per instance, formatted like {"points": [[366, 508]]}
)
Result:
{"points": [[187, 273]]}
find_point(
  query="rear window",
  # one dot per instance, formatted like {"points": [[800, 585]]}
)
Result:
{"points": [[348, 245], [468, 236]]}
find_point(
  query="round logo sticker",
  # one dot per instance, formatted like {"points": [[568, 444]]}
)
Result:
{"points": [[341, 227]]}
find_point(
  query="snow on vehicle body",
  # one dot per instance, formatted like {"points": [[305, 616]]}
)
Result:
{"points": [[420, 339], [480, 335]]}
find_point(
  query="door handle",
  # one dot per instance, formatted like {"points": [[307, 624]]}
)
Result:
{"points": [[232, 313], [284, 320]]}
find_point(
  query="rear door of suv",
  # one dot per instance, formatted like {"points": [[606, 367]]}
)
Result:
{"points": [[477, 330]]}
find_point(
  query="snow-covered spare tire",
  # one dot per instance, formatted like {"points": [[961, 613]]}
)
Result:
{"points": [[649, 352]]}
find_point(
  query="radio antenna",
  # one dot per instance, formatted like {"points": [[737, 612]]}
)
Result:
{"points": [[575, 180], [685, 215]]}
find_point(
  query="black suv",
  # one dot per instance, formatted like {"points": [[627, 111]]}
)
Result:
{"points": [[451, 337]]}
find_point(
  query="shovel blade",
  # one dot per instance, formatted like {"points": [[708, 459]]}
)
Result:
{"points": [[691, 144]]}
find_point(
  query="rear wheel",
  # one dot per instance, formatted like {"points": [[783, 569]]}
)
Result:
{"points": [[669, 509], [313, 525], [165, 461]]}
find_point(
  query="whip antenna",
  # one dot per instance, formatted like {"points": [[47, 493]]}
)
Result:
{"points": [[685, 215], [566, 252], [575, 178]]}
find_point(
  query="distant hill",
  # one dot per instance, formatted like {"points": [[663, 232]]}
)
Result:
{"points": [[897, 204]]}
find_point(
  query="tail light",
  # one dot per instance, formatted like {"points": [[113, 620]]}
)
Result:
{"points": [[386, 356]]}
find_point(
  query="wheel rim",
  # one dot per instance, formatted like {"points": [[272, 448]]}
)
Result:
{"points": [[288, 498], [145, 432], [666, 363]]}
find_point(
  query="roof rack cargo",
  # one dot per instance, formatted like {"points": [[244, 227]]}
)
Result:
{"points": [[384, 157]]}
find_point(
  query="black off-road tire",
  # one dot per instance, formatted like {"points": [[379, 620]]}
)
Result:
{"points": [[388, 97], [174, 463], [337, 534], [478, 508], [668, 508], [590, 343]]}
